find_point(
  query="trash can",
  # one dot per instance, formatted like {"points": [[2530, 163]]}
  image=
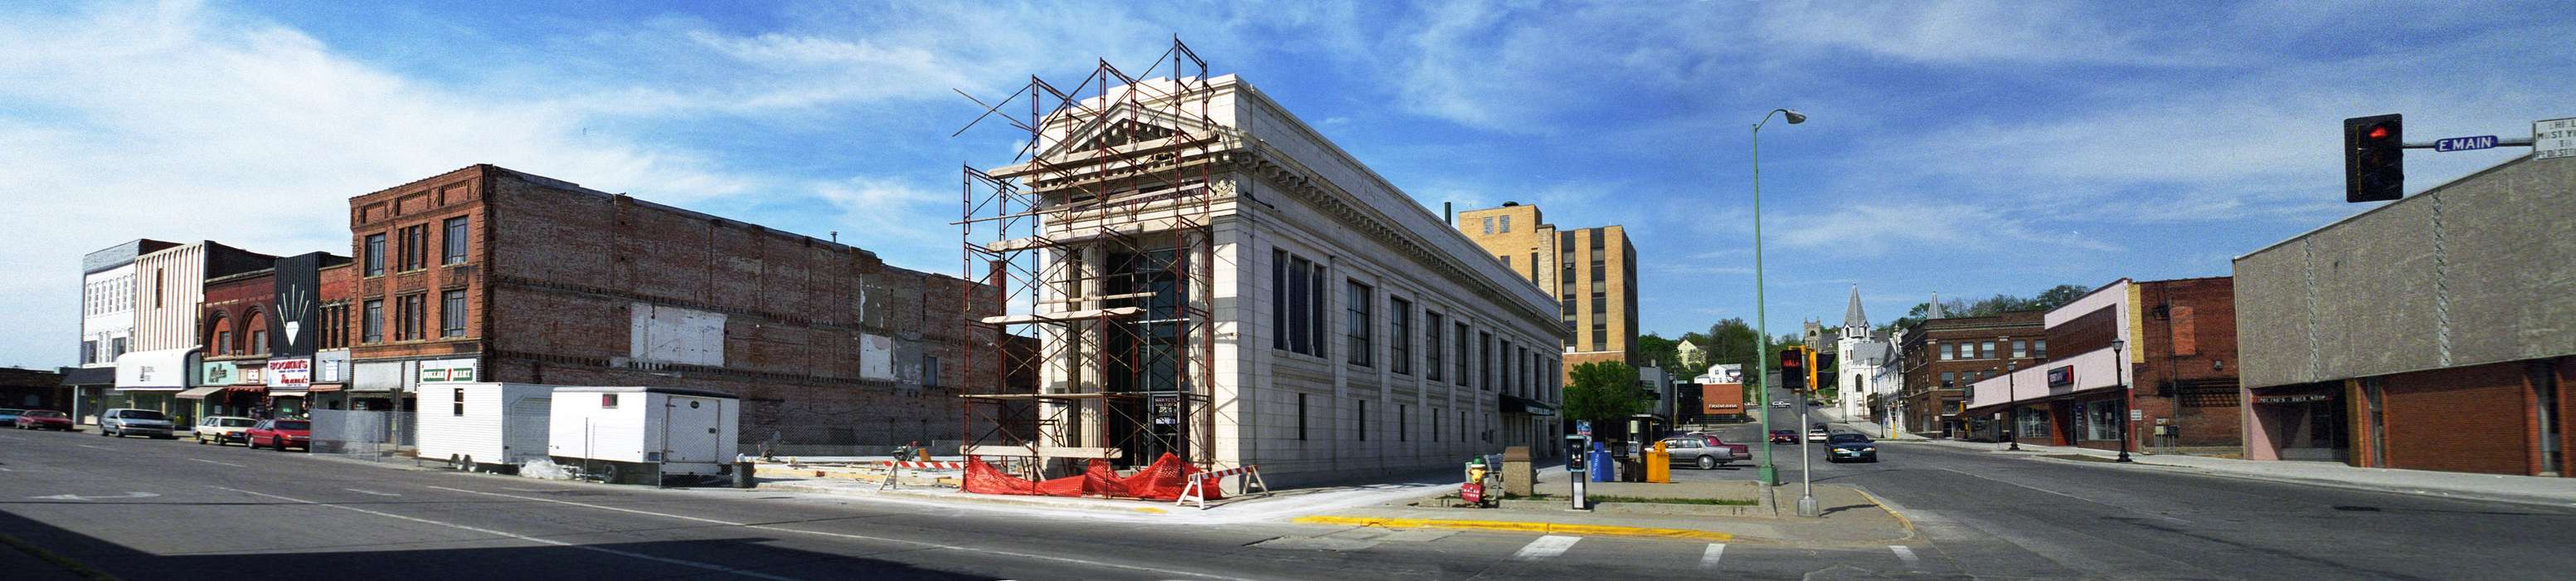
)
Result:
{"points": [[742, 472]]}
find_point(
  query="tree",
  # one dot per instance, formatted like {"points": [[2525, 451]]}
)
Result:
{"points": [[1665, 353], [2054, 297], [2060, 295], [1603, 391], [1731, 341]]}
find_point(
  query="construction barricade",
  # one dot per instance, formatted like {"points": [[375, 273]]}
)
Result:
{"points": [[894, 470], [1204, 484]]}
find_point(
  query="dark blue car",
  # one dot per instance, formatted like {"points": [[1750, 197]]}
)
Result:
{"points": [[1851, 447]]}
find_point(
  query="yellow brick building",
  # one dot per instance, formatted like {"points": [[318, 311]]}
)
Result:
{"points": [[1591, 271]]}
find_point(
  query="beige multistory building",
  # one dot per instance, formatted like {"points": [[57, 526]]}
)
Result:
{"points": [[1592, 272]]}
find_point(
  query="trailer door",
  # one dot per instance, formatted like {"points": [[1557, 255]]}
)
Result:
{"points": [[690, 429]]}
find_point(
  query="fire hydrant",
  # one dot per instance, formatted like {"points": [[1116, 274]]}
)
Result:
{"points": [[1659, 465]]}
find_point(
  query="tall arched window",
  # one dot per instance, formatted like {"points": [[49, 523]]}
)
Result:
{"points": [[254, 332], [219, 334]]}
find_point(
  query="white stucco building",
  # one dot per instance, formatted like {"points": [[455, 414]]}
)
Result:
{"points": [[1867, 361], [1355, 331]]}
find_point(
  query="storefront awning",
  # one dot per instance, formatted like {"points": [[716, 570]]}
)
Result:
{"points": [[324, 387], [198, 392], [160, 370], [286, 393], [1520, 405]]}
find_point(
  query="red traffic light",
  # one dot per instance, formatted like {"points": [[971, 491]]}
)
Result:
{"points": [[2379, 132]]}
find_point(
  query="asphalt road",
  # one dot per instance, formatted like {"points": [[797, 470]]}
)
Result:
{"points": [[146, 509], [2015, 516]]}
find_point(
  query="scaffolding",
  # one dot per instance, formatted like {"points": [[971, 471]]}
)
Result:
{"points": [[1098, 245]]}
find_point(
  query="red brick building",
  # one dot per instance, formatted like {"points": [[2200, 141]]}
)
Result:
{"points": [[2161, 348], [1940, 356], [235, 321], [489, 274]]}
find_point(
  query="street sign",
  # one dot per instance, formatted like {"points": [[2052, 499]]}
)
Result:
{"points": [[2464, 143], [1583, 428], [2553, 138], [2135, 415]]}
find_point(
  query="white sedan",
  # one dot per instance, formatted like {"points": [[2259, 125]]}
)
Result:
{"points": [[1779, 404]]}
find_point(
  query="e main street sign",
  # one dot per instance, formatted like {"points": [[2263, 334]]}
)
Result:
{"points": [[2464, 143]]}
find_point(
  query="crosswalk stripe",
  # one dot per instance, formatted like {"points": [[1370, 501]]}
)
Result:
{"points": [[1903, 552], [1708, 559], [1547, 546]]}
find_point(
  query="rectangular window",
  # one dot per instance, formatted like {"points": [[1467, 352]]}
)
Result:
{"points": [[1435, 424], [1948, 378], [1600, 336], [451, 314], [1399, 335], [258, 342], [929, 371], [1460, 366], [1986, 350], [375, 258], [1301, 417], [223, 342], [1358, 326], [372, 322], [1316, 293], [2040, 348], [1403, 422], [452, 242], [413, 318], [1300, 330], [2021, 348], [1363, 424], [1485, 360], [457, 397], [1507, 225], [1279, 300], [1945, 352], [89, 352], [1431, 345], [1510, 366], [115, 347], [1533, 264], [608, 401], [416, 247], [1489, 226]]}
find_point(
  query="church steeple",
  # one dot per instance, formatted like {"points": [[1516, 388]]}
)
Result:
{"points": [[1855, 322]]}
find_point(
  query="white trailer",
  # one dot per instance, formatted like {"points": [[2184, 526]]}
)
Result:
{"points": [[481, 426], [645, 434]]}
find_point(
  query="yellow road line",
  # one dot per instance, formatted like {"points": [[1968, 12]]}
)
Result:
{"points": [[1516, 526]]}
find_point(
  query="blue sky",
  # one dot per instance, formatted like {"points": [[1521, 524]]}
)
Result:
{"points": [[1964, 148]]}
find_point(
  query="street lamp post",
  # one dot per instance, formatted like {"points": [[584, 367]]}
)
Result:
{"points": [[1762, 319], [2012, 407], [2128, 396]]}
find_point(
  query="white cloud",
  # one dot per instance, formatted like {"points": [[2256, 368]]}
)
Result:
{"points": [[180, 123], [1971, 32]]}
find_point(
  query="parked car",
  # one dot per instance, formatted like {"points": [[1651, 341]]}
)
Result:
{"points": [[220, 429], [43, 420], [122, 422], [10, 415], [1850, 446], [1784, 436], [280, 435], [1742, 452], [1779, 403], [1816, 434], [1695, 452]]}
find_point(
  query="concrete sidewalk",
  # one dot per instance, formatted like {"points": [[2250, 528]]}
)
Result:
{"points": [[2552, 491], [1852, 517]]}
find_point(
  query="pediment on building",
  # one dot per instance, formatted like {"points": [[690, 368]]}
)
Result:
{"points": [[1125, 124]]}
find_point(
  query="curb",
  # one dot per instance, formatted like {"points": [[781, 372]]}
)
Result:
{"points": [[2355, 486], [980, 500], [1518, 527], [1910, 531]]}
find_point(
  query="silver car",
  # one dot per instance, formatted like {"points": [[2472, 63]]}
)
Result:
{"points": [[122, 422], [1696, 453]]}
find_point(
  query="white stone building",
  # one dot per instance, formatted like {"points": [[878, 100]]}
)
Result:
{"points": [[1356, 332], [1867, 363]]}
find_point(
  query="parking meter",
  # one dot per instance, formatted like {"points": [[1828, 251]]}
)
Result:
{"points": [[1577, 447]]}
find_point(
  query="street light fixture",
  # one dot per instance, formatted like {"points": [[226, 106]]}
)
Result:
{"points": [[2128, 396], [1761, 317]]}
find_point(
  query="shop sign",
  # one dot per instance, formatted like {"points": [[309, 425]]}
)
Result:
{"points": [[2061, 376], [293, 373], [218, 373], [447, 371], [2292, 398]]}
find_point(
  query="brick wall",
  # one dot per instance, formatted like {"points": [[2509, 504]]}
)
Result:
{"points": [[555, 272], [2196, 388], [2468, 419], [243, 301], [425, 204]]}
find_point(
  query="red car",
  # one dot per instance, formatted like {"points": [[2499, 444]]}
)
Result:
{"points": [[43, 420], [281, 434], [1784, 436]]}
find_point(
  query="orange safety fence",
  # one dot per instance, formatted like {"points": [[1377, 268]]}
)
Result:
{"points": [[1162, 480]]}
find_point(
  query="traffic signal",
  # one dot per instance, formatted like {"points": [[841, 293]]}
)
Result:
{"points": [[1822, 377], [2374, 158], [1793, 368]]}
